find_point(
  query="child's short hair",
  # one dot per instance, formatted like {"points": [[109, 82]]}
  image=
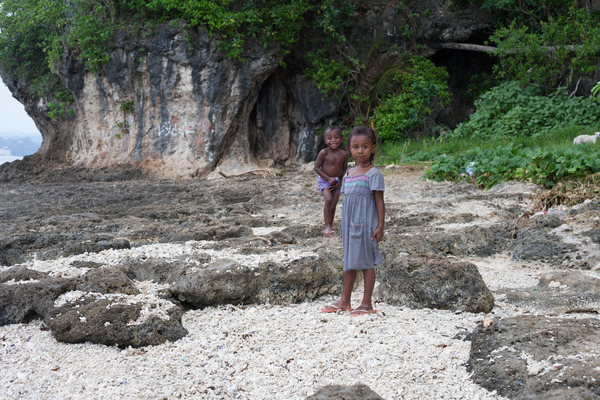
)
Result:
{"points": [[333, 128], [364, 131]]}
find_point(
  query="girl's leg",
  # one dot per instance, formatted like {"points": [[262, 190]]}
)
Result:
{"points": [[344, 303], [365, 306], [349, 278]]}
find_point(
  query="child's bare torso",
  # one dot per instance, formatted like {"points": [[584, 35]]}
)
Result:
{"points": [[333, 164]]}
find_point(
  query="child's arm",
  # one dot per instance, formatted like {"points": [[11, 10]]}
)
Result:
{"points": [[344, 169], [380, 206]]}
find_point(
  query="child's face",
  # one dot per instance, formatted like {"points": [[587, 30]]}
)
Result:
{"points": [[361, 148], [333, 139]]}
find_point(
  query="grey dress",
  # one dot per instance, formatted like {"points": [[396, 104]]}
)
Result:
{"points": [[359, 220]]}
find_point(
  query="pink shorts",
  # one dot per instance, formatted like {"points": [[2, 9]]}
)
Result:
{"points": [[323, 184]]}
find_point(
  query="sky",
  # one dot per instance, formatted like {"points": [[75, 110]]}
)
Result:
{"points": [[13, 117]]}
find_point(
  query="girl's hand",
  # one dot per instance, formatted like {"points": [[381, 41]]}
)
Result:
{"points": [[378, 234]]}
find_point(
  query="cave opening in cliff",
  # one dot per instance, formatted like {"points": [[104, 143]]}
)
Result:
{"points": [[462, 67]]}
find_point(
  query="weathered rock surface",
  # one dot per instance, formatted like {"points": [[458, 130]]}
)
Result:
{"points": [[22, 302], [227, 282], [559, 293], [342, 392], [430, 281], [110, 322], [537, 357]]}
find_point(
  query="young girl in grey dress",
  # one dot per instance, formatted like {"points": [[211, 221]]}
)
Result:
{"points": [[363, 214]]}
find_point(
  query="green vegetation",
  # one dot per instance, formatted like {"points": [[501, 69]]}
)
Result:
{"points": [[510, 111], [551, 55], [524, 126], [596, 91], [526, 13], [542, 165], [395, 91], [516, 133], [421, 89]]}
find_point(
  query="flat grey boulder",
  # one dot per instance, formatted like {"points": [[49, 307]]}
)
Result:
{"points": [[431, 281], [343, 392], [537, 357], [559, 293], [227, 282], [464, 241]]}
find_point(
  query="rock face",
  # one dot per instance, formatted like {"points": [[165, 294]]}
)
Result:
{"points": [[419, 281], [536, 357], [175, 106]]}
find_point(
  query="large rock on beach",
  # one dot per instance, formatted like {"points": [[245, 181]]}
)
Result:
{"points": [[228, 282], [23, 301], [431, 281], [537, 357], [106, 280], [115, 321], [27, 294], [464, 241], [344, 392], [548, 239]]}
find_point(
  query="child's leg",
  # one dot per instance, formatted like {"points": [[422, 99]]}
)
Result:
{"points": [[344, 303], [335, 196], [327, 195], [365, 305]]}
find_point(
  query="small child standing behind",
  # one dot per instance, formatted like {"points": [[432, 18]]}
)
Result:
{"points": [[363, 215], [331, 165]]}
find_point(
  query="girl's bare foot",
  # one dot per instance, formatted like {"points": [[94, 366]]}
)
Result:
{"points": [[357, 312], [363, 309], [335, 307]]}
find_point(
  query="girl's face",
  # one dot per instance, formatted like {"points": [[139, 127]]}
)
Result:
{"points": [[361, 148]]}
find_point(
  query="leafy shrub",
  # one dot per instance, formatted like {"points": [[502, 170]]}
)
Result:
{"points": [[421, 89], [549, 55], [526, 13], [327, 74], [596, 91], [511, 111], [545, 166]]}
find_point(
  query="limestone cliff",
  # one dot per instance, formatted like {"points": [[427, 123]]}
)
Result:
{"points": [[175, 106]]}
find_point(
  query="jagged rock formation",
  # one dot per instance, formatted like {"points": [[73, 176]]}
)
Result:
{"points": [[175, 106]]}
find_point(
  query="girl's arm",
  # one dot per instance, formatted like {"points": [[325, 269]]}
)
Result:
{"points": [[380, 206]]}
